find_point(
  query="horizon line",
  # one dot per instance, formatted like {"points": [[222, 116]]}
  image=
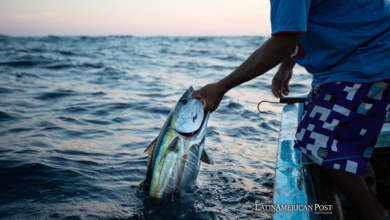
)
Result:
{"points": [[129, 35]]}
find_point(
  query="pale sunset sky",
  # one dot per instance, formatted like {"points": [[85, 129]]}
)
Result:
{"points": [[135, 17]]}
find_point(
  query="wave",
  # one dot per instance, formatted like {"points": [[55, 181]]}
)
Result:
{"points": [[54, 95], [77, 113]]}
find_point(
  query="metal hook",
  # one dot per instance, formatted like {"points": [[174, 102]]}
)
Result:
{"points": [[258, 105], [285, 100]]}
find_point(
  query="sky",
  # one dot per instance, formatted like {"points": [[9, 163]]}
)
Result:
{"points": [[135, 17]]}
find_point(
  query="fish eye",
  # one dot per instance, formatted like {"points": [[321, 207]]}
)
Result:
{"points": [[184, 101]]}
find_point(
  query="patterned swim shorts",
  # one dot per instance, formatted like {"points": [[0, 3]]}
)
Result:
{"points": [[341, 123]]}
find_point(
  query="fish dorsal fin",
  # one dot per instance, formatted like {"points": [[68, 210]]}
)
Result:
{"points": [[151, 145], [206, 158], [150, 149]]}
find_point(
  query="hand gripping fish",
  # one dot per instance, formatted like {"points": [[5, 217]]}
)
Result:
{"points": [[174, 155]]}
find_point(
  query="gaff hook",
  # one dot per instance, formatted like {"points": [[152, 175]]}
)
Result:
{"points": [[258, 105], [285, 100]]}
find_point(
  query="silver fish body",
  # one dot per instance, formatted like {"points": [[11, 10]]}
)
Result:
{"points": [[175, 155]]}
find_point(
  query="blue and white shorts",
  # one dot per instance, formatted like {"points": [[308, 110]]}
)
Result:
{"points": [[341, 123]]}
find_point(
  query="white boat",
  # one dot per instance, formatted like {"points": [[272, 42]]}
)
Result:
{"points": [[300, 184]]}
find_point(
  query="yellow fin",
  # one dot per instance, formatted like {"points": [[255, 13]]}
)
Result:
{"points": [[206, 158]]}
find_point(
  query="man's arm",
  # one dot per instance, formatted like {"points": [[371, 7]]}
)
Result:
{"points": [[275, 50]]}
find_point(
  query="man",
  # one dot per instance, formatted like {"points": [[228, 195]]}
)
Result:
{"points": [[345, 45]]}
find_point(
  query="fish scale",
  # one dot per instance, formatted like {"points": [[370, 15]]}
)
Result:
{"points": [[191, 163]]}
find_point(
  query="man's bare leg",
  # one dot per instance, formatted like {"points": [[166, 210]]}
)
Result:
{"points": [[358, 193]]}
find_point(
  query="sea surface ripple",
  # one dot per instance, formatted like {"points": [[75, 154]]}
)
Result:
{"points": [[76, 114]]}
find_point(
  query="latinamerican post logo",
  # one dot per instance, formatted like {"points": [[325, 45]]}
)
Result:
{"points": [[316, 208]]}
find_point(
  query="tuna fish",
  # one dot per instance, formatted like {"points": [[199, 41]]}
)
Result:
{"points": [[175, 155]]}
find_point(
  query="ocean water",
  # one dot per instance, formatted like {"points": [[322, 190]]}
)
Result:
{"points": [[76, 114]]}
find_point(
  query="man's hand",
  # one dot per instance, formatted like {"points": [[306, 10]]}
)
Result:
{"points": [[282, 79], [211, 96]]}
